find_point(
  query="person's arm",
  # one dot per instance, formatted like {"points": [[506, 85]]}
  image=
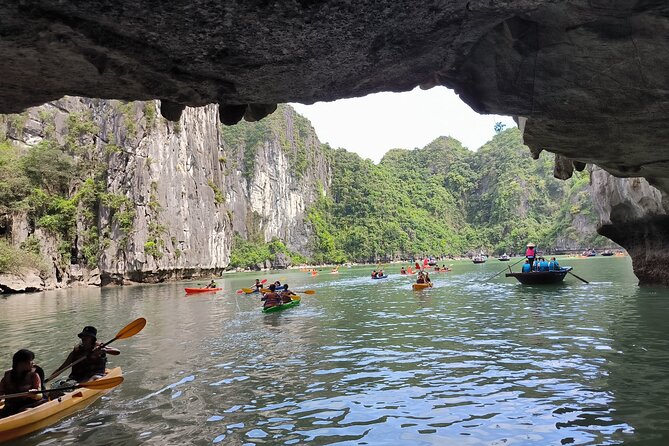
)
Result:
{"points": [[3, 391], [112, 351], [67, 362], [36, 385]]}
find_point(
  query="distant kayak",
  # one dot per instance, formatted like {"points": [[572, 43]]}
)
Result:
{"points": [[421, 286], [282, 307], [382, 277], [201, 290]]}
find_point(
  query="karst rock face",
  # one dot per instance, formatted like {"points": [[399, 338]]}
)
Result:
{"points": [[587, 79]]}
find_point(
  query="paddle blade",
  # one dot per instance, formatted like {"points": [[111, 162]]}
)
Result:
{"points": [[131, 329], [240, 291], [309, 292], [263, 281], [103, 383]]}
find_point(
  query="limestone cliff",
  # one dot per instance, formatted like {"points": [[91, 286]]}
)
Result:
{"points": [[633, 214], [148, 199]]}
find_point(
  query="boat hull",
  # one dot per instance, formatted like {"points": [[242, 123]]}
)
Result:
{"points": [[421, 286], [50, 413], [282, 307], [201, 290], [540, 277]]}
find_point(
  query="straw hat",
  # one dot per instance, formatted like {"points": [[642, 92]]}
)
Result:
{"points": [[530, 245]]}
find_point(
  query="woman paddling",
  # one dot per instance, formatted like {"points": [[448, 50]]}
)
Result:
{"points": [[24, 376]]}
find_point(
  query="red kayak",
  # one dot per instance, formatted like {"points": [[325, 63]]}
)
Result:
{"points": [[201, 290]]}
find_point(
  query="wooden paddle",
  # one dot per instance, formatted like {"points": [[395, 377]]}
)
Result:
{"points": [[579, 278], [505, 269], [250, 290], [98, 384], [128, 331]]}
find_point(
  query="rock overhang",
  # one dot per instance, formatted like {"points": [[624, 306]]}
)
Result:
{"points": [[589, 76]]}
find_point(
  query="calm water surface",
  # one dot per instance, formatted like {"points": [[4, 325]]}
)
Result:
{"points": [[362, 362]]}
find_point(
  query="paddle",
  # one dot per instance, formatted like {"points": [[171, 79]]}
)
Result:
{"points": [[98, 384], [250, 290], [505, 269], [128, 331], [579, 278], [301, 292]]}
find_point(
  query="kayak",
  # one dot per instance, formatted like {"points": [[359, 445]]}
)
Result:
{"points": [[382, 277], [421, 286], [201, 290], [45, 415], [282, 307]]}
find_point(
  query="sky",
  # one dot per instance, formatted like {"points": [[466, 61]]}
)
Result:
{"points": [[374, 124]]}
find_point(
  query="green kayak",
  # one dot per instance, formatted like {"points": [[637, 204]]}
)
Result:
{"points": [[281, 307]]}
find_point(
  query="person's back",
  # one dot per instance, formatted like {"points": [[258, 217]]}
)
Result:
{"points": [[374, 273], [543, 265], [526, 267], [271, 299], [22, 377], [553, 265]]}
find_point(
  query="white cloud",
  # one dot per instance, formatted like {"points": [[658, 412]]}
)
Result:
{"points": [[374, 124]]}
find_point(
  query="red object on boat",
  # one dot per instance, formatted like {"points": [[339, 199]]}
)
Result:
{"points": [[201, 290]]}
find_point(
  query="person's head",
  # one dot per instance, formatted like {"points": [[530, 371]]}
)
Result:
{"points": [[212, 280], [88, 336], [257, 280], [22, 361], [553, 258], [285, 287], [527, 261], [272, 287]]}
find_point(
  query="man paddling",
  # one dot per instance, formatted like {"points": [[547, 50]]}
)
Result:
{"points": [[95, 362], [24, 376], [271, 299]]}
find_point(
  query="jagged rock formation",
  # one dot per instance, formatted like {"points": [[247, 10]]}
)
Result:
{"points": [[634, 214], [152, 199]]}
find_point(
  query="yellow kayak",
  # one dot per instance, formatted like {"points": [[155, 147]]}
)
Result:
{"points": [[421, 286], [32, 420]]}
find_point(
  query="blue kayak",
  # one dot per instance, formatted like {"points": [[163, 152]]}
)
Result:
{"points": [[382, 277]]}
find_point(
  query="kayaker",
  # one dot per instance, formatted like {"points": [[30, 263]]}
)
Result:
{"points": [[257, 285], [421, 277], [271, 299], [95, 362], [553, 265], [427, 277], [531, 253], [286, 294], [277, 285], [527, 268], [24, 376], [212, 284], [403, 271], [380, 274], [374, 274]]}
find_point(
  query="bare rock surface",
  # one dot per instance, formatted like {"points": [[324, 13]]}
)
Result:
{"points": [[25, 281]]}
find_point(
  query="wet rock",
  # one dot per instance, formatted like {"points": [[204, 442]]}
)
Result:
{"points": [[26, 281], [281, 261]]}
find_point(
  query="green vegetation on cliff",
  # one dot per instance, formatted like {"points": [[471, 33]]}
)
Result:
{"points": [[446, 200]]}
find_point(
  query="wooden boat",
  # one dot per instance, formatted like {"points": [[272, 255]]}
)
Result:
{"points": [[607, 253], [478, 259], [504, 258], [31, 420], [541, 277]]}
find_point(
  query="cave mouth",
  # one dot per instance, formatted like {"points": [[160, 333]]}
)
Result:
{"points": [[373, 124]]}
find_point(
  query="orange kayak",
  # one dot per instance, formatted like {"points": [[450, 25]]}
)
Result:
{"points": [[421, 286], [50, 413]]}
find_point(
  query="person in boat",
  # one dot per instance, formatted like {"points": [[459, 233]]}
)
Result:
{"points": [[374, 274], [271, 299], [257, 285], [403, 271], [24, 376], [553, 265], [277, 285], [380, 274], [212, 284], [286, 294], [427, 277], [421, 277], [543, 265], [531, 253], [94, 364], [527, 268]]}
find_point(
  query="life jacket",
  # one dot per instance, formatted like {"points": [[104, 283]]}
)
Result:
{"points": [[94, 364], [22, 384], [530, 253], [286, 297], [526, 268], [271, 300]]}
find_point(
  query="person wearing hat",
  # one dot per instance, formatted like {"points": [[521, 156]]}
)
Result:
{"points": [[95, 362], [531, 253]]}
